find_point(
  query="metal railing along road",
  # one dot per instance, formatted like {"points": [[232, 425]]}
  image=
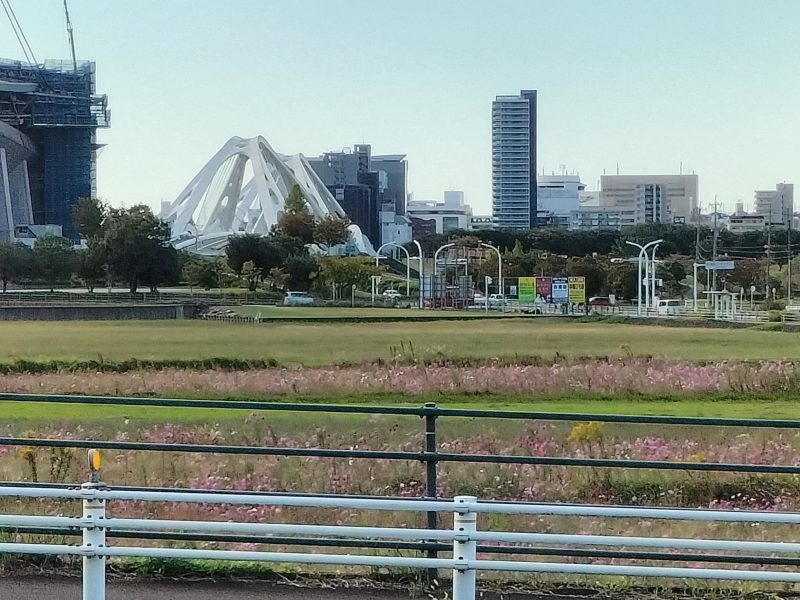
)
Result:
{"points": [[432, 541], [464, 541]]}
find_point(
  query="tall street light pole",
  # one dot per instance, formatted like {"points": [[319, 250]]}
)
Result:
{"points": [[499, 269], [643, 262], [419, 250], [653, 278], [408, 262]]}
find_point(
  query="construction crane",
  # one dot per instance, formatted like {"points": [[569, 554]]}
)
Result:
{"points": [[71, 38]]}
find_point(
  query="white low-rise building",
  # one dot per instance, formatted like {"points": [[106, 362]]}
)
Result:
{"points": [[430, 216]]}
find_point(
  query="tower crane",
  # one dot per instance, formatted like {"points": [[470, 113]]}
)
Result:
{"points": [[71, 38]]}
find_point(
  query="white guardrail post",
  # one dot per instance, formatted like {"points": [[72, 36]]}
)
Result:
{"points": [[94, 537], [464, 549]]}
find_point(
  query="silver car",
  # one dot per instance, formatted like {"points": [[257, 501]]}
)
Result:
{"points": [[298, 299]]}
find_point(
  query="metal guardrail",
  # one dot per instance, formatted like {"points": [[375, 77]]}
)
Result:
{"points": [[463, 542], [432, 541]]}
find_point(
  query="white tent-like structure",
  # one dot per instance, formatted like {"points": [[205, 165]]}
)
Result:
{"points": [[242, 190]]}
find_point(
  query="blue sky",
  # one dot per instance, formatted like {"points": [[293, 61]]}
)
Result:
{"points": [[711, 84]]}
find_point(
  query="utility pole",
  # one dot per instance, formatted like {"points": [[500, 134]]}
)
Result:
{"points": [[788, 214], [768, 250], [714, 251], [697, 238]]}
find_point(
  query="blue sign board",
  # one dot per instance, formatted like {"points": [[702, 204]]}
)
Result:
{"points": [[560, 291]]}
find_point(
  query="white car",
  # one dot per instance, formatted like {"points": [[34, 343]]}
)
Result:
{"points": [[497, 300], [392, 294], [297, 299]]}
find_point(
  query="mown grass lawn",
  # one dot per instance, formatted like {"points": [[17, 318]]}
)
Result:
{"points": [[706, 405], [333, 343]]}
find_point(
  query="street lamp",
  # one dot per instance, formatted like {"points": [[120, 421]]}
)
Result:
{"points": [[419, 249], [499, 270], [653, 278], [436, 255], [643, 258], [408, 262]]}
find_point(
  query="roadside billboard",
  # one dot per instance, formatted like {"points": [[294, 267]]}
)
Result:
{"points": [[526, 290], [544, 288], [577, 290], [560, 289]]}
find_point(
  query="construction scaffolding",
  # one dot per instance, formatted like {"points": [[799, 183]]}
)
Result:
{"points": [[56, 106]]}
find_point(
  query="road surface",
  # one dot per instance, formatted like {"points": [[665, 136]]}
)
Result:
{"points": [[63, 588]]}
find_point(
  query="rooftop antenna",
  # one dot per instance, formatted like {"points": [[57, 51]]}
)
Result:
{"points": [[617, 168], [71, 38]]}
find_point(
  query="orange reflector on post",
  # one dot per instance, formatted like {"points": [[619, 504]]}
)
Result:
{"points": [[95, 460]]}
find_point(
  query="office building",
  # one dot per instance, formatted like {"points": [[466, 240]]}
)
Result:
{"points": [[49, 115], [558, 196], [481, 222], [394, 170], [776, 206], [742, 222], [364, 185], [651, 198], [514, 193], [428, 216], [595, 218]]}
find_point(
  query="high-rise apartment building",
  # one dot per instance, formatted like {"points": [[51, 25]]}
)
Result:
{"points": [[651, 198], [514, 199], [776, 206]]}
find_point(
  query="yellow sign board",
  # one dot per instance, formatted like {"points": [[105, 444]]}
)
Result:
{"points": [[577, 290]]}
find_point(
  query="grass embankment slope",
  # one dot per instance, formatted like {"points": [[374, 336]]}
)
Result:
{"points": [[315, 344]]}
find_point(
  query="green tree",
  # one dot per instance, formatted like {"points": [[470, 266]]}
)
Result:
{"points": [[90, 266], [677, 270], [15, 261], [330, 231], [590, 268], [88, 215], [202, 272], [138, 249], [353, 271], [300, 271], [264, 252], [251, 273], [54, 259], [621, 280], [296, 220]]}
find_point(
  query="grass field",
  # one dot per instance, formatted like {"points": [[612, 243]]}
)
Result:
{"points": [[315, 312], [330, 343], [708, 405]]}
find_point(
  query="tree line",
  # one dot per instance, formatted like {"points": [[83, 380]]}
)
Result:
{"points": [[122, 245], [132, 246]]}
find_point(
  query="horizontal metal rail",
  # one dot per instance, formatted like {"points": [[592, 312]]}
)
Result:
{"points": [[374, 544], [419, 411], [439, 457], [574, 510], [404, 562], [266, 530]]}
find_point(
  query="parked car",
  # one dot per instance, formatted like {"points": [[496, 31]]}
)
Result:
{"points": [[599, 301], [670, 307], [392, 294], [479, 299], [297, 299], [496, 300]]}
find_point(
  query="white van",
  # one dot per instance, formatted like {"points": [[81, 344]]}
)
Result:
{"points": [[670, 308]]}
